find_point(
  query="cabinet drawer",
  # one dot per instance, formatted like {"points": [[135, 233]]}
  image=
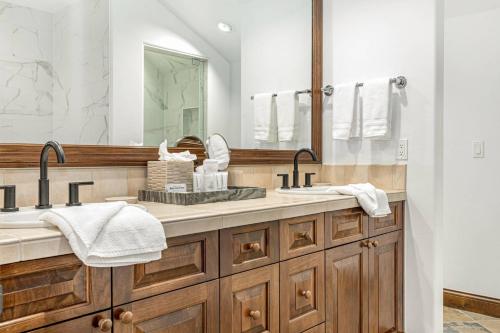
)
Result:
{"points": [[188, 260], [87, 324], [317, 329], [193, 309], [45, 291], [248, 247], [249, 301], [392, 222], [301, 235], [345, 226], [302, 293]]}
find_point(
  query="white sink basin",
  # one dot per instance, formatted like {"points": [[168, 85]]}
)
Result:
{"points": [[25, 218], [316, 190]]}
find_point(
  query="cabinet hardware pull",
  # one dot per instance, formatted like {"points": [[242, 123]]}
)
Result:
{"points": [[303, 235], [375, 244], [103, 324], [306, 293], [366, 243], [126, 317], [255, 314], [254, 247]]}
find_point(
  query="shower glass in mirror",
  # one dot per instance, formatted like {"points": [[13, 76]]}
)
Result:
{"points": [[129, 72]]}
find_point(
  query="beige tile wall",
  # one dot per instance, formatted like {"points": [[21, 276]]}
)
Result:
{"points": [[120, 181]]}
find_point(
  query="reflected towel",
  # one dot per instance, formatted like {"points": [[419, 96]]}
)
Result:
{"points": [[287, 107], [264, 119]]}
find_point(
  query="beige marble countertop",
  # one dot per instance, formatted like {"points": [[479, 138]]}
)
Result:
{"points": [[28, 244]]}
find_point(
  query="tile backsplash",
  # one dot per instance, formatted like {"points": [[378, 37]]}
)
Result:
{"points": [[126, 181]]}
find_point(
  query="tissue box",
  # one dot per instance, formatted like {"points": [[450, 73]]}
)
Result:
{"points": [[161, 173]]}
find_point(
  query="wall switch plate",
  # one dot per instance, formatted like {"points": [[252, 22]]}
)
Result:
{"points": [[403, 150], [478, 149]]}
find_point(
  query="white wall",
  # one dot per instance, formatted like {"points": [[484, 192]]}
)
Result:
{"points": [[366, 39], [135, 23], [472, 112]]}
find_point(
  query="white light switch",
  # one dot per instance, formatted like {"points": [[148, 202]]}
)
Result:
{"points": [[478, 149]]}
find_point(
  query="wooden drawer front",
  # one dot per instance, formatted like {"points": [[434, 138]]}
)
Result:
{"points": [[347, 289], [345, 226], [45, 291], [193, 309], [249, 301], [386, 283], [188, 260], [302, 293], [301, 235], [317, 329], [88, 324], [392, 222], [248, 247]]}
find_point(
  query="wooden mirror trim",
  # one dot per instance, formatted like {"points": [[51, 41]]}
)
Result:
{"points": [[27, 155]]}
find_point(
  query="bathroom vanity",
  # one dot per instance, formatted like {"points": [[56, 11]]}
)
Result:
{"points": [[283, 263]]}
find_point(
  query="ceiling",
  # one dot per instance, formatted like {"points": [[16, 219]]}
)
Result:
{"points": [[50, 6], [202, 17]]}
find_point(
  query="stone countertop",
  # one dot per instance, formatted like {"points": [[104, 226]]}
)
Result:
{"points": [[28, 244]]}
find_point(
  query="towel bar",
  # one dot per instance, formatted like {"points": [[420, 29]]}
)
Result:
{"points": [[400, 82]]}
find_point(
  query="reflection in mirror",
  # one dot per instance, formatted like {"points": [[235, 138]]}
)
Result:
{"points": [[177, 68]]}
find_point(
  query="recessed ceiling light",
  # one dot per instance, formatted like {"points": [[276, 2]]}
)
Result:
{"points": [[224, 27]]}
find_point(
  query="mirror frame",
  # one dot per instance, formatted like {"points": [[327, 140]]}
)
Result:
{"points": [[27, 155]]}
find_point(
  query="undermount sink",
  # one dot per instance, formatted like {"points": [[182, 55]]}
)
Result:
{"points": [[25, 218], [316, 190]]}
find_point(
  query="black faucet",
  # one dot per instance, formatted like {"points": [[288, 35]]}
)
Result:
{"points": [[43, 182], [296, 164]]}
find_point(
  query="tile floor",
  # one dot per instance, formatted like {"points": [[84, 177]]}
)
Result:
{"points": [[459, 321]]}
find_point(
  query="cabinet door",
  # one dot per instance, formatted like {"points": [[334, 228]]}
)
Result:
{"points": [[345, 226], [250, 301], [45, 291], [347, 288], [386, 283], [248, 247], [188, 260], [100, 322], [193, 309], [302, 293], [389, 223], [301, 235]]}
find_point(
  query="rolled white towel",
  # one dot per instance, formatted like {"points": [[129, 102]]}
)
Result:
{"points": [[373, 201], [110, 234]]}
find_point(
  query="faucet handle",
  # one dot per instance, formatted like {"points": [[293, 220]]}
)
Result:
{"points": [[9, 198], [284, 185], [308, 179], [74, 193]]}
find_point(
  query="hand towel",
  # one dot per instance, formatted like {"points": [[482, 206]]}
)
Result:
{"points": [[110, 234], [264, 119], [373, 201], [377, 108], [346, 118], [287, 106]]}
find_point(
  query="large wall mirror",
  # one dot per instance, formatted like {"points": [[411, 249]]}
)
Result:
{"points": [[115, 78]]}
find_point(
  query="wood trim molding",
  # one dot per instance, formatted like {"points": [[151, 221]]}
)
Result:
{"points": [[27, 155], [474, 303]]}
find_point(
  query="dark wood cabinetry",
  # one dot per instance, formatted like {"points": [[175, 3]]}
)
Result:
{"points": [[334, 272]]}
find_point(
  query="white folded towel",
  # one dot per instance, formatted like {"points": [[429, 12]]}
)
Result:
{"points": [[373, 201], [110, 234], [287, 108], [377, 108], [346, 119], [264, 118]]}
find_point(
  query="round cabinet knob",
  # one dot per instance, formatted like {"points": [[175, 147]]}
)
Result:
{"points": [[126, 317], [306, 293], [367, 244], [254, 247], [255, 314], [375, 243], [103, 324]]}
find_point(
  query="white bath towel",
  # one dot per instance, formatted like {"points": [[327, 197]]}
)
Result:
{"points": [[377, 108], [346, 119], [110, 234], [373, 201], [287, 108], [264, 118]]}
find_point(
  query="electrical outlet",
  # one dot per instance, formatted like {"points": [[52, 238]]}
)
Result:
{"points": [[403, 150]]}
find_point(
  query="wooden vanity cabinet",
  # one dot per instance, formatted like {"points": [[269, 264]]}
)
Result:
{"points": [[40, 292]]}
